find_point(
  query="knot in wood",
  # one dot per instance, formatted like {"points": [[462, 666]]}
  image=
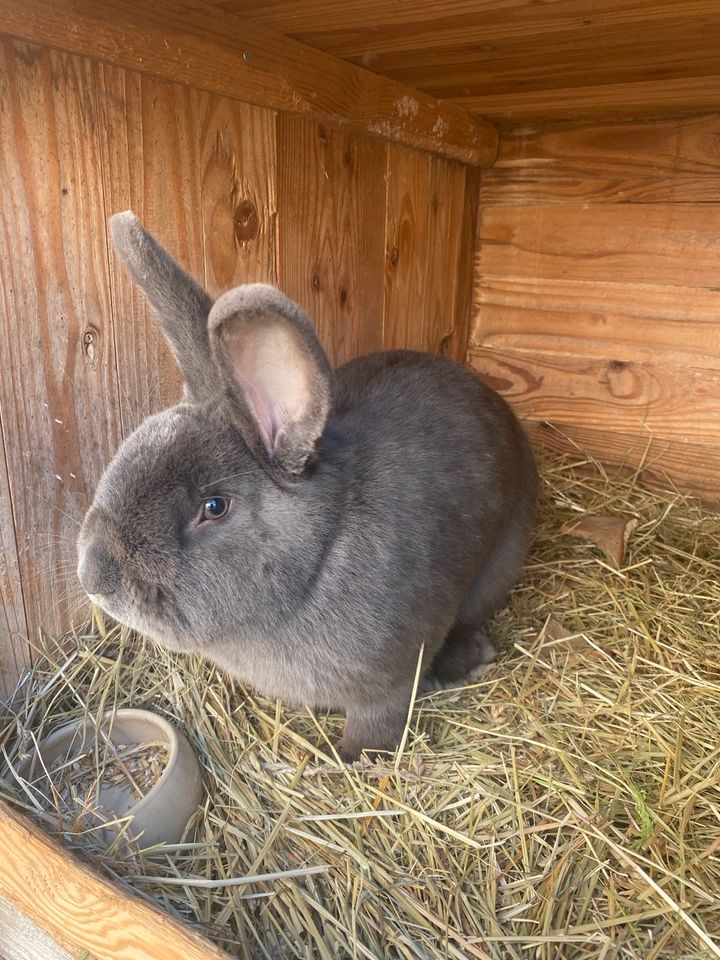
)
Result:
{"points": [[90, 339], [247, 221]]}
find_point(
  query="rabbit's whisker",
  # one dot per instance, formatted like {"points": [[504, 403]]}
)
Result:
{"points": [[231, 476]]}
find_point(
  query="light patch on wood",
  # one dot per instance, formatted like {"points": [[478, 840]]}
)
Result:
{"points": [[21, 939], [408, 106]]}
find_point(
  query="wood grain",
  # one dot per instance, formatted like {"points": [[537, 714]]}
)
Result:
{"points": [[674, 244], [517, 60], [692, 468], [456, 345], [57, 392], [426, 199], [661, 161], [21, 939], [14, 651], [237, 151], [611, 320], [81, 910], [331, 232], [210, 49], [666, 401], [605, 101], [370, 28], [149, 158], [596, 303], [575, 57]]}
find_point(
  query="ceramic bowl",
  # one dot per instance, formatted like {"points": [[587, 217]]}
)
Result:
{"points": [[160, 816]]}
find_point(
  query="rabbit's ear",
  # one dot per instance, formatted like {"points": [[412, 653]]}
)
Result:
{"points": [[274, 369], [180, 304]]}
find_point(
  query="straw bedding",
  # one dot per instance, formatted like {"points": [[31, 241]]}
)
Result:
{"points": [[564, 805]]}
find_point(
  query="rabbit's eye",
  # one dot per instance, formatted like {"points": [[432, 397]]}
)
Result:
{"points": [[214, 508]]}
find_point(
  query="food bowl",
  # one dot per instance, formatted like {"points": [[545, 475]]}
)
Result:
{"points": [[139, 776]]}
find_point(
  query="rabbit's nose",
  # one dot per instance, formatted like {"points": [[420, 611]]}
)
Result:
{"points": [[98, 571]]}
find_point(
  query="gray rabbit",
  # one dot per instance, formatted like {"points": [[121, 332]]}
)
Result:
{"points": [[309, 531]]}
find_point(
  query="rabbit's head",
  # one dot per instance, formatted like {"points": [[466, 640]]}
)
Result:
{"points": [[200, 513]]}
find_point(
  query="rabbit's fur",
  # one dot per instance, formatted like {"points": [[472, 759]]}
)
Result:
{"points": [[374, 512]]}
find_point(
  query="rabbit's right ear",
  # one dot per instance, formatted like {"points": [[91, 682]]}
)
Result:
{"points": [[275, 372], [182, 307]]}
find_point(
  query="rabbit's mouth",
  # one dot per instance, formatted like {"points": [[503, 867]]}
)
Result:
{"points": [[118, 611], [162, 630]]}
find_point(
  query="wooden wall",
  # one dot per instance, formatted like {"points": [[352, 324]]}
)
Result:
{"points": [[370, 237], [597, 291]]}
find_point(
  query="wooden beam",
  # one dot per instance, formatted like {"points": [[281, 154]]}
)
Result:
{"points": [[79, 909], [213, 50], [606, 101], [691, 467], [650, 161]]}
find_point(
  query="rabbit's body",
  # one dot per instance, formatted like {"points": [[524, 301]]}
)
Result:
{"points": [[402, 525], [395, 529]]}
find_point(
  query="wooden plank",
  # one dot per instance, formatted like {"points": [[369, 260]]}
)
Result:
{"points": [[330, 231], [662, 161], [681, 403], [21, 939], [366, 29], [518, 60], [407, 240], [199, 171], [426, 199], [149, 158], [580, 57], [57, 391], [213, 50], [457, 343], [628, 321], [693, 468], [674, 244], [14, 651], [237, 152], [606, 101], [79, 909]]}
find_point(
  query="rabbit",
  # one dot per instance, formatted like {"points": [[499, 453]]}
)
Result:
{"points": [[310, 532]]}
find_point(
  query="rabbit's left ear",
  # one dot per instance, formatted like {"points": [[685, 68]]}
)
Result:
{"points": [[180, 304], [275, 371]]}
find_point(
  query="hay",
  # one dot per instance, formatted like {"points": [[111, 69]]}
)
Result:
{"points": [[566, 805]]}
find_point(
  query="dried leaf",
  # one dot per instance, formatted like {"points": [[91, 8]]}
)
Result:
{"points": [[609, 533], [557, 639]]}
